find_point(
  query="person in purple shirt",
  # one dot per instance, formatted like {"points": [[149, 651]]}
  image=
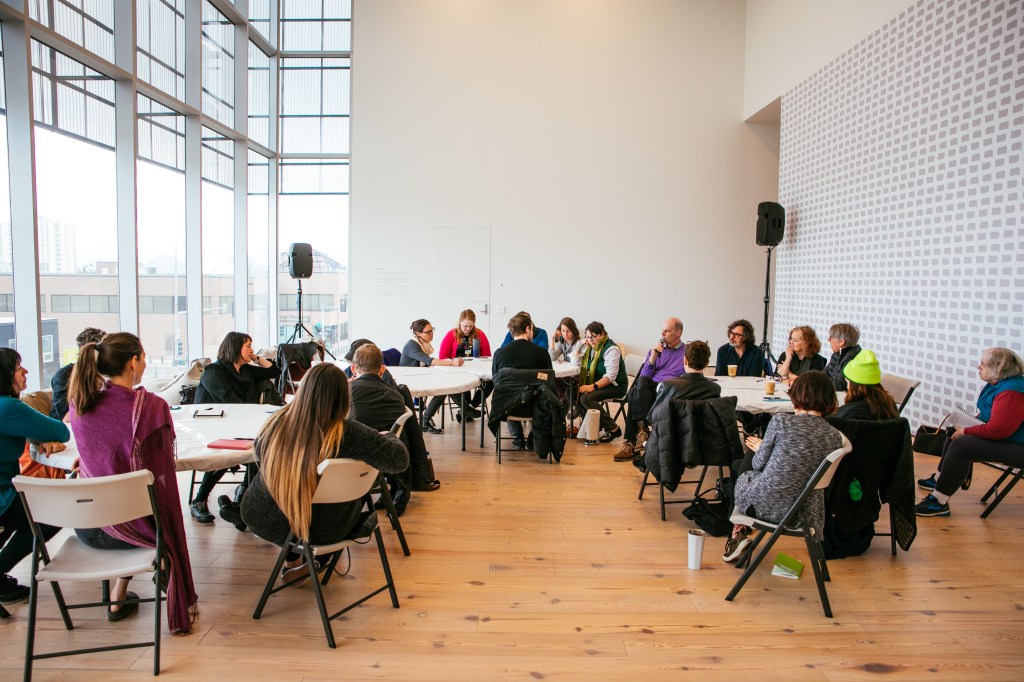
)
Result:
{"points": [[663, 361]]}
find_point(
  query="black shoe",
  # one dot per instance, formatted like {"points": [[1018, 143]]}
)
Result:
{"points": [[201, 511], [518, 444], [239, 491], [124, 610], [609, 436], [401, 499], [11, 592], [231, 512], [365, 529], [469, 416], [428, 427], [428, 487], [472, 413]]}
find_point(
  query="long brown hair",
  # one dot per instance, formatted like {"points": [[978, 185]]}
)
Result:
{"points": [[810, 338], [467, 314], [296, 439], [108, 358], [880, 403]]}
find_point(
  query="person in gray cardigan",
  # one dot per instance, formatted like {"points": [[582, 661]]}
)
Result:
{"points": [[771, 478]]}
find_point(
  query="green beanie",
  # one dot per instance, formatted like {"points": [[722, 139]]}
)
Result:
{"points": [[863, 369]]}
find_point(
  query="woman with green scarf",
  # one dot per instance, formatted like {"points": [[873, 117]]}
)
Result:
{"points": [[602, 376]]}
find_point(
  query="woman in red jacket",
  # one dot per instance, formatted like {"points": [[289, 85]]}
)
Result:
{"points": [[465, 341]]}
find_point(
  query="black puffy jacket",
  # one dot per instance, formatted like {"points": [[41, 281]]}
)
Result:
{"points": [[530, 392], [688, 433]]}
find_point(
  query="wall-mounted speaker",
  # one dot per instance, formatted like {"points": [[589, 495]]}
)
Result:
{"points": [[300, 261], [771, 223]]}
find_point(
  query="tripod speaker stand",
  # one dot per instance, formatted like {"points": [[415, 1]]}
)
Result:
{"points": [[771, 225], [766, 348], [301, 328]]}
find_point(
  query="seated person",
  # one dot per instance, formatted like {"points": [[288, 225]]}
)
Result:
{"points": [[865, 397], [291, 445], [843, 338], [18, 423], [742, 351], [566, 344], [801, 355], [379, 406], [770, 479], [521, 353], [692, 385], [120, 429], [386, 377], [602, 376], [237, 376], [540, 337], [664, 361], [999, 439], [466, 340], [416, 353], [59, 382]]}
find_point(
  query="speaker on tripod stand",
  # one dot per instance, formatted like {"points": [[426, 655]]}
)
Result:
{"points": [[771, 225]]}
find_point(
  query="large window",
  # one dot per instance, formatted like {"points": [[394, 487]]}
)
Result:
{"points": [[76, 199], [188, 281], [160, 34], [218, 160], [163, 319], [259, 261], [218, 66]]}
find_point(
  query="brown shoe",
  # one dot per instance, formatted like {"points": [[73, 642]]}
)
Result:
{"points": [[641, 438], [625, 453]]}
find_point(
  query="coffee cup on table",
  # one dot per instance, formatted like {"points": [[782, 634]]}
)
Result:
{"points": [[769, 387], [732, 370]]}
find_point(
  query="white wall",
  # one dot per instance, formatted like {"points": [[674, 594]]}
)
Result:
{"points": [[601, 142], [788, 40]]}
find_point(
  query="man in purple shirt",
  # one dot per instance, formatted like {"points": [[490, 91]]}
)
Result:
{"points": [[663, 361]]}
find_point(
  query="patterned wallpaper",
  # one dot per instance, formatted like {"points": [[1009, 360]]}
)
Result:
{"points": [[900, 171]]}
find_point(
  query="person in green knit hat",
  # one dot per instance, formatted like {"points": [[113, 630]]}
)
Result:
{"points": [[865, 397], [602, 376]]}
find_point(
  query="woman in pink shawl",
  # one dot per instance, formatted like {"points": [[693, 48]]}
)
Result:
{"points": [[120, 429]]}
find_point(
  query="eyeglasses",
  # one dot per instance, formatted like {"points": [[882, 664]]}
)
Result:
{"points": [[590, 337], [738, 335], [427, 331]]}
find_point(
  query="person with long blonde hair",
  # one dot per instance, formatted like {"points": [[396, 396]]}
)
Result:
{"points": [[290, 447]]}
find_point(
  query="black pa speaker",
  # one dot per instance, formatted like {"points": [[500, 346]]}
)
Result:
{"points": [[300, 261], [771, 223]]}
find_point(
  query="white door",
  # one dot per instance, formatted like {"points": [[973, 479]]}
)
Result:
{"points": [[462, 278]]}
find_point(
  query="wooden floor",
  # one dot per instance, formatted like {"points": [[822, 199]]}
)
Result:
{"points": [[534, 571]]}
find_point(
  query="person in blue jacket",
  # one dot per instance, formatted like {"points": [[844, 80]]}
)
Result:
{"points": [[18, 422], [540, 336]]}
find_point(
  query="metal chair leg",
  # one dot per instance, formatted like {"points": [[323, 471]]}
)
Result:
{"points": [[319, 595], [1002, 493], [389, 505], [820, 571], [273, 578]]}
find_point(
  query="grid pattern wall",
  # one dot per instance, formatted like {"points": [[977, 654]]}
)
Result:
{"points": [[900, 170]]}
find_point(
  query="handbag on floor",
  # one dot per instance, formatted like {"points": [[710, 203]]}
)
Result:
{"points": [[931, 440]]}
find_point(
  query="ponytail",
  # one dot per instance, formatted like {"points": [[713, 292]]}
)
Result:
{"points": [[85, 384]]}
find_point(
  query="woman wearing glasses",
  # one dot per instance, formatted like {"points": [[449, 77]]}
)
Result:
{"points": [[999, 438], [802, 354], [602, 376], [416, 353], [740, 351]]}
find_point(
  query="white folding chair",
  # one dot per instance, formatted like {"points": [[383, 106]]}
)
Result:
{"points": [[341, 480], [89, 503], [793, 525]]}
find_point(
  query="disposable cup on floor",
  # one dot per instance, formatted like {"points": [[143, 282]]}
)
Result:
{"points": [[591, 428], [696, 549]]}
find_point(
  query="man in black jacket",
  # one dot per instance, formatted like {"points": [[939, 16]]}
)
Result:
{"points": [[378, 405], [522, 353]]}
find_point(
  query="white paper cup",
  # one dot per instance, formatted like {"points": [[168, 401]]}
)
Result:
{"points": [[769, 387], [732, 369], [695, 549]]}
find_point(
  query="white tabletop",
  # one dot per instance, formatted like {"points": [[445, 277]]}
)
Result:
{"points": [[424, 382], [750, 395], [481, 367], [193, 433]]}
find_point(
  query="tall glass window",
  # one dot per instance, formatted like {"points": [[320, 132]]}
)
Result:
{"points": [[259, 261], [218, 216], [316, 25], [163, 319], [259, 95], [76, 202], [259, 18], [218, 66], [315, 105], [7, 335], [160, 36], [89, 23], [313, 208]]}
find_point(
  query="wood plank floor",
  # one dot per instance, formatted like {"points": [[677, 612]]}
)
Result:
{"points": [[535, 571]]}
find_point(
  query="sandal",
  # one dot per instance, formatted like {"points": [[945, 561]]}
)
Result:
{"points": [[124, 610]]}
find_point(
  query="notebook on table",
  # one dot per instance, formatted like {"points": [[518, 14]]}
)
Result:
{"points": [[231, 444]]}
